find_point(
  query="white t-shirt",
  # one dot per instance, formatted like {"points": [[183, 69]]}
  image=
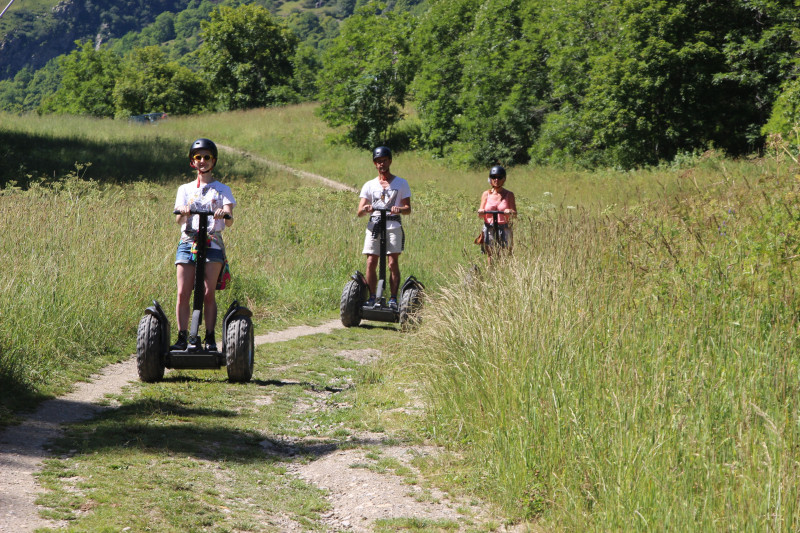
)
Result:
{"points": [[379, 197], [206, 197]]}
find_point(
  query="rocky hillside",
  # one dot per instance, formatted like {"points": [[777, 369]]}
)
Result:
{"points": [[36, 35]]}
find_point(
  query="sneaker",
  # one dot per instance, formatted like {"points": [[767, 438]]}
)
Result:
{"points": [[370, 302], [210, 343], [182, 343], [393, 303]]}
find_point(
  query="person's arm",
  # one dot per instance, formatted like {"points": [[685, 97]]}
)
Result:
{"points": [[482, 207], [180, 205], [512, 204], [227, 209], [404, 207], [364, 207]]}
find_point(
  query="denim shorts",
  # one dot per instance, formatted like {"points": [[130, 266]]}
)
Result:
{"points": [[184, 254]]}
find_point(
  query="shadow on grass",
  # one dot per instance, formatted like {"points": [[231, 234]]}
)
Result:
{"points": [[173, 428], [260, 382], [16, 400], [29, 157]]}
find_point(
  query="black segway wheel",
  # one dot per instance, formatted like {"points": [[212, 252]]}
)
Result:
{"points": [[350, 306], [410, 304], [240, 349], [149, 362]]}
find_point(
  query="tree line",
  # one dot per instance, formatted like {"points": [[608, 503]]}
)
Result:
{"points": [[621, 83]]}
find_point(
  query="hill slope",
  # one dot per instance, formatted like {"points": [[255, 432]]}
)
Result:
{"points": [[34, 32]]}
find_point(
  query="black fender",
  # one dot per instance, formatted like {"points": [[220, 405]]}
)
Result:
{"points": [[157, 312], [362, 282], [233, 311], [359, 277], [412, 282]]}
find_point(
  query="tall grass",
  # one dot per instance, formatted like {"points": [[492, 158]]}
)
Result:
{"points": [[636, 371]]}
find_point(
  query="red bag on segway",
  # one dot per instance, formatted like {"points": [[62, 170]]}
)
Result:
{"points": [[224, 276]]}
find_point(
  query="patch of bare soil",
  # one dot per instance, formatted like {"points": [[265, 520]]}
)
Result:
{"points": [[360, 491]]}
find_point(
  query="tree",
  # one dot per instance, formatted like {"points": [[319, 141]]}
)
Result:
{"points": [[437, 44], [87, 81], [503, 83], [148, 83], [246, 56], [366, 73]]}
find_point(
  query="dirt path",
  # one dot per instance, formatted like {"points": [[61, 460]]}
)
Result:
{"points": [[299, 173], [22, 447]]}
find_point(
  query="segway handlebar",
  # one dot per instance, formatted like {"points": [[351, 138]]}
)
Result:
{"points": [[493, 213], [201, 213]]}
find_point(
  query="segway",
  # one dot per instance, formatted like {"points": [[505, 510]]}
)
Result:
{"points": [[153, 353], [356, 293], [495, 226]]}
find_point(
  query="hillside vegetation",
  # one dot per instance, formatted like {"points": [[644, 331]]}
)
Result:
{"points": [[633, 366], [621, 84]]}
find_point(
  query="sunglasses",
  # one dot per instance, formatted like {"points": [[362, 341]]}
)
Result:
{"points": [[198, 157], [497, 177]]}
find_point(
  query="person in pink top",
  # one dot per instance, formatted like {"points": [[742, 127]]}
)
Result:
{"points": [[497, 198]]}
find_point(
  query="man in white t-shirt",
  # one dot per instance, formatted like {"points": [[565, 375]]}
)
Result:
{"points": [[390, 192]]}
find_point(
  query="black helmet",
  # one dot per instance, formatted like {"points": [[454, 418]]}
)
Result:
{"points": [[381, 151], [203, 144], [497, 171]]}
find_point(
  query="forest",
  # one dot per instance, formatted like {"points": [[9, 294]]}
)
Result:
{"points": [[613, 83]]}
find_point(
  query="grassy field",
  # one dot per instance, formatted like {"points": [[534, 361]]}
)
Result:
{"points": [[632, 367]]}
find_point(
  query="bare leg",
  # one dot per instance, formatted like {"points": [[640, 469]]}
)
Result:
{"points": [[210, 297], [394, 271], [372, 276], [185, 275]]}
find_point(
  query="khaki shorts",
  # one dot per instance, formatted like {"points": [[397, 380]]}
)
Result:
{"points": [[395, 240]]}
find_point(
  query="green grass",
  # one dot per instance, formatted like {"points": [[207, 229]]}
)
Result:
{"points": [[632, 372]]}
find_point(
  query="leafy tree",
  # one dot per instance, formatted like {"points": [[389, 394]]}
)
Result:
{"points": [[87, 81], [438, 42], [246, 55], [503, 81], [149, 83], [366, 73], [307, 64], [785, 118]]}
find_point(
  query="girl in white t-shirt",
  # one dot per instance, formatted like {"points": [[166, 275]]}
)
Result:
{"points": [[203, 193]]}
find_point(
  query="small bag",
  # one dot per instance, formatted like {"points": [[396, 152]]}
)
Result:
{"points": [[224, 276], [480, 238]]}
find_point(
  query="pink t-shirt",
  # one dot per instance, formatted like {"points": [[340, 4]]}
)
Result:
{"points": [[493, 205]]}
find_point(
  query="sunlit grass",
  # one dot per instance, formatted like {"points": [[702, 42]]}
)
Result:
{"points": [[634, 371]]}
